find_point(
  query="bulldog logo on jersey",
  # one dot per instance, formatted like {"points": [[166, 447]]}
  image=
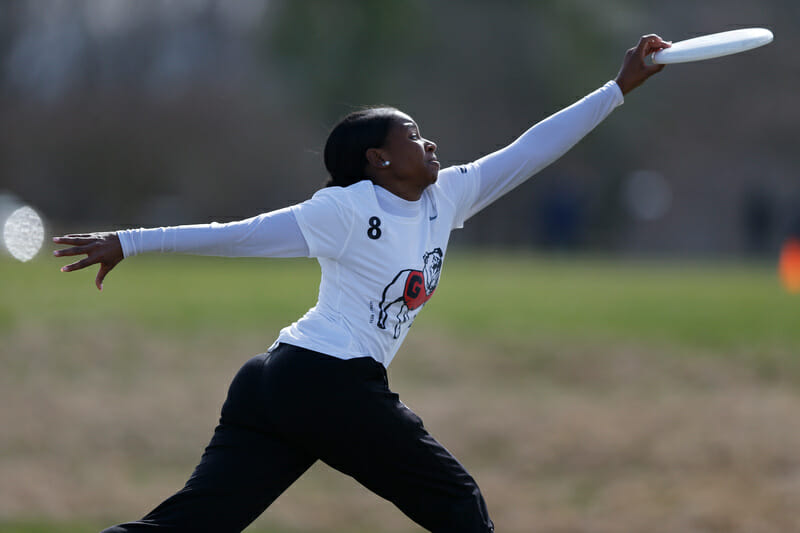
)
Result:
{"points": [[409, 290]]}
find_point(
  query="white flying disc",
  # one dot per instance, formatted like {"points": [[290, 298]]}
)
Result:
{"points": [[714, 45]]}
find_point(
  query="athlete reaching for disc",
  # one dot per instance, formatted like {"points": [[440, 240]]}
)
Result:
{"points": [[380, 232]]}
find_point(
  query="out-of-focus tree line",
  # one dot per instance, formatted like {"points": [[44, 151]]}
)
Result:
{"points": [[116, 113]]}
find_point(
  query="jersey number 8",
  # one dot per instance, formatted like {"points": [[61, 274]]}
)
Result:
{"points": [[374, 231]]}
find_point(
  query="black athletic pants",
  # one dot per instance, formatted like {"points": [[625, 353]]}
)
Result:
{"points": [[290, 407]]}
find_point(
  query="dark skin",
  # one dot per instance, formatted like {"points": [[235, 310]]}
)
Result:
{"points": [[405, 165], [635, 69]]}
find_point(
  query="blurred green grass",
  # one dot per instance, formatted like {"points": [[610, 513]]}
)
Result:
{"points": [[713, 305], [175, 294], [710, 305]]}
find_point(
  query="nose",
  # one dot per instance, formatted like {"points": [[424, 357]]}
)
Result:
{"points": [[430, 146]]}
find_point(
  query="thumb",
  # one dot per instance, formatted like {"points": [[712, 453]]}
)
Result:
{"points": [[101, 275]]}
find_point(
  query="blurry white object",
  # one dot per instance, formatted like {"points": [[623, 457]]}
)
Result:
{"points": [[23, 233]]}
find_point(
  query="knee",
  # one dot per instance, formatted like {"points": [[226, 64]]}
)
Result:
{"points": [[466, 514], [471, 515]]}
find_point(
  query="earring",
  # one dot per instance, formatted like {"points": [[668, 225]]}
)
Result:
{"points": [[386, 163]]}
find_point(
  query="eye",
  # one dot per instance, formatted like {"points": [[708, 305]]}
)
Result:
{"points": [[414, 135]]}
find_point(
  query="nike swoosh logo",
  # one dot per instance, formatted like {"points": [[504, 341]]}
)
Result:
{"points": [[434, 217]]}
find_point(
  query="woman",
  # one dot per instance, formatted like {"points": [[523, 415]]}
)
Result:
{"points": [[380, 234]]}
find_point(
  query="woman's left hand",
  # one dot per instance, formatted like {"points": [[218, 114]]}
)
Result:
{"points": [[634, 70]]}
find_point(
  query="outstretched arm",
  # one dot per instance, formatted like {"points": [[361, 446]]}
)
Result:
{"points": [[274, 234], [541, 145]]}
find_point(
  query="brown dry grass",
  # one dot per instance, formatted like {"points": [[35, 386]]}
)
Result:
{"points": [[562, 436]]}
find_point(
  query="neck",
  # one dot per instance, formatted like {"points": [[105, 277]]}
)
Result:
{"points": [[394, 205], [401, 189]]}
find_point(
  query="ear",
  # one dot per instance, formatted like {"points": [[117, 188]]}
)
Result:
{"points": [[377, 157]]}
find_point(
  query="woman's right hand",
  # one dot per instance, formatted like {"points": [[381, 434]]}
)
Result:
{"points": [[99, 248], [635, 69]]}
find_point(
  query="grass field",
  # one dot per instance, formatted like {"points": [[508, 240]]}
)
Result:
{"points": [[584, 394]]}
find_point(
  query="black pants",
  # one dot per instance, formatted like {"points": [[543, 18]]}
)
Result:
{"points": [[288, 408]]}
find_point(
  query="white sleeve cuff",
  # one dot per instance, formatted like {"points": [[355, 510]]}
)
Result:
{"points": [[127, 243], [620, 97]]}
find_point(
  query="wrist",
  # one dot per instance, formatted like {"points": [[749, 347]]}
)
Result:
{"points": [[623, 87]]}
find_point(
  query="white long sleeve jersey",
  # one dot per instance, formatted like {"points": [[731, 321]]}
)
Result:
{"points": [[380, 256]]}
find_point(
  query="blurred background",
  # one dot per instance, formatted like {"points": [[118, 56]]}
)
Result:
{"points": [[118, 113], [610, 349]]}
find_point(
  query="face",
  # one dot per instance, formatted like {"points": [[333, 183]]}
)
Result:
{"points": [[412, 157]]}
